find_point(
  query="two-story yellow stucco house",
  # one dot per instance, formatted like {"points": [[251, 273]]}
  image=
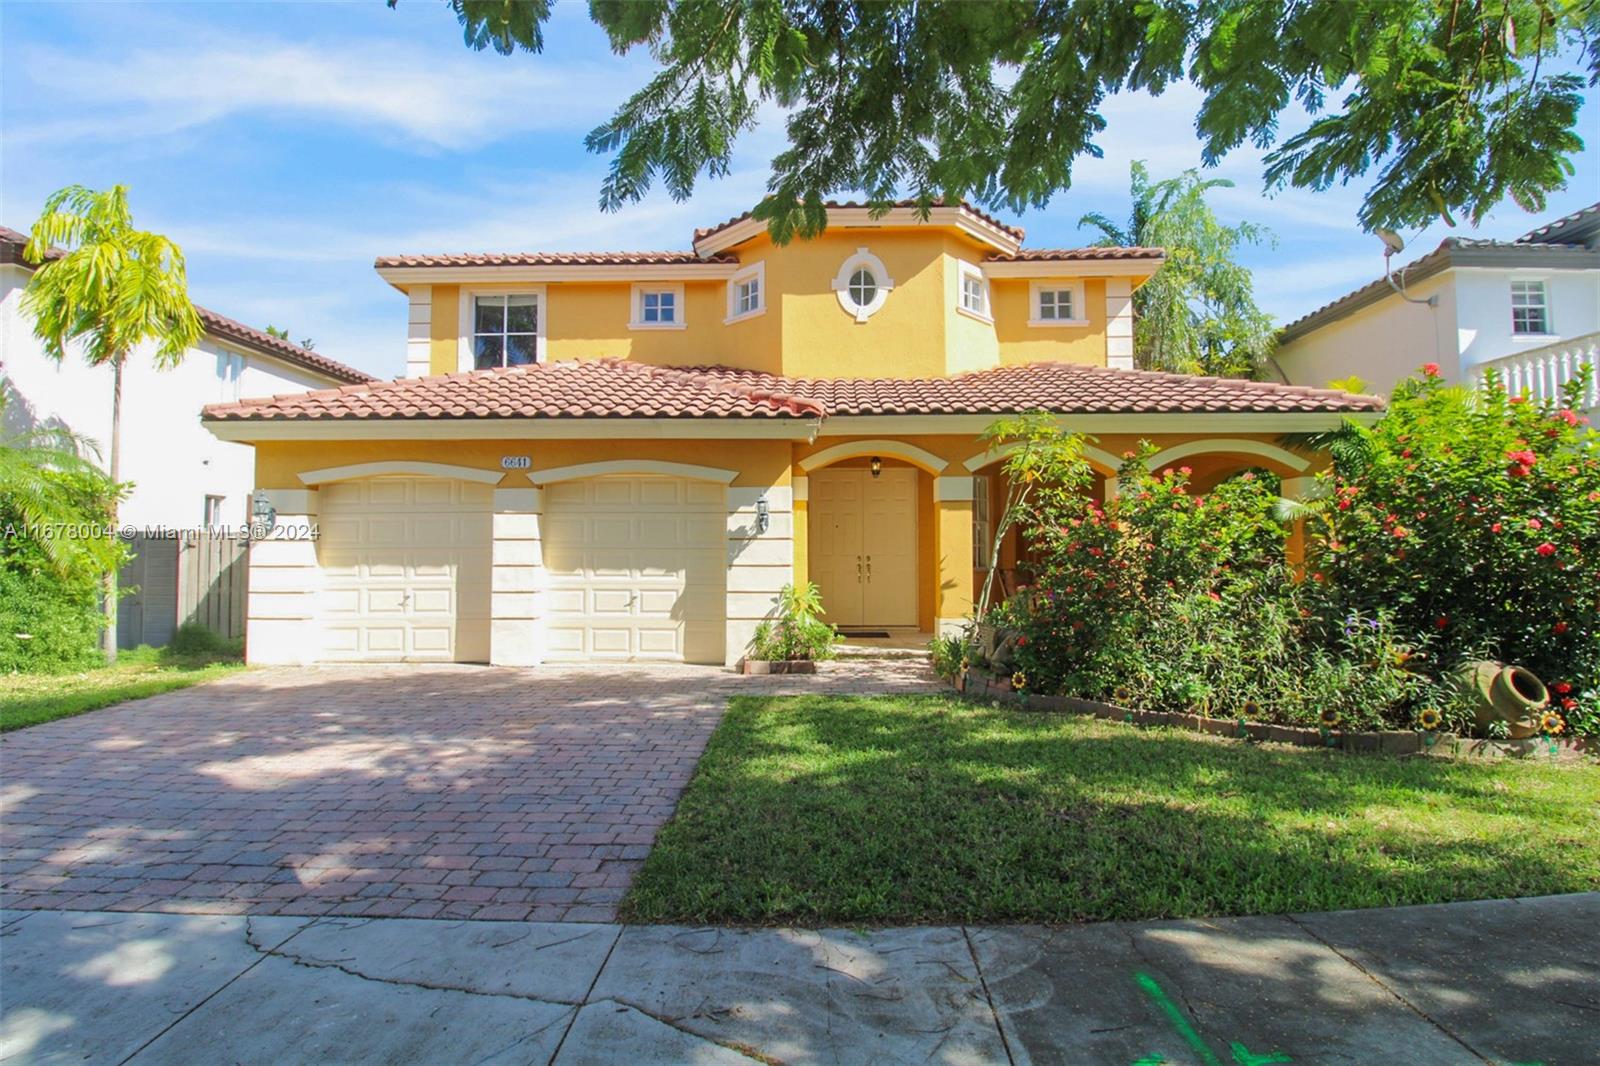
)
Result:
{"points": [[625, 455]]}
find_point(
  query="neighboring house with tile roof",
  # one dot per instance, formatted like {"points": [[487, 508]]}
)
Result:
{"points": [[182, 476], [626, 455], [1529, 307]]}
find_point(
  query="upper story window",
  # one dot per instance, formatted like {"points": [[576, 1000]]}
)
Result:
{"points": [[974, 292], [862, 285], [1530, 308], [505, 330], [657, 306], [747, 292], [1057, 303]]}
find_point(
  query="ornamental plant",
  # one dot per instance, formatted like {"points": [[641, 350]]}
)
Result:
{"points": [[1473, 520]]}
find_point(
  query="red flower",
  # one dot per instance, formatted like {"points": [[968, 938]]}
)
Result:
{"points": [[1495, 527], [1569, 417], [1442, 621], [1561, 688], [1569, 704], [1526, 458], [1559, 627], [1518, 399], [1431, 369], [1534, 523], [1546, 548], [1021, 641]]}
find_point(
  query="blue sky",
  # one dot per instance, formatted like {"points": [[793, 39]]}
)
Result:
{"points": [[285, 145]]}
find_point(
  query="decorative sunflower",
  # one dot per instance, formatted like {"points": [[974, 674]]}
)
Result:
{"points": [[1019, 680], [1122, 694], [1329, 718], [1551, 723], [1250, 711], [1430, 718]]}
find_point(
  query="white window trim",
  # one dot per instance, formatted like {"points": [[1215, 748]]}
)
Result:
{"points": [[1549, 317], [965, 270], [982, 544], [464, 356], [636, 315], [754, 270], [880, 274], [1078, 304]]}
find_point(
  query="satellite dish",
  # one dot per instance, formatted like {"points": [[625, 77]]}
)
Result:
{"points": [[1391, 241]]}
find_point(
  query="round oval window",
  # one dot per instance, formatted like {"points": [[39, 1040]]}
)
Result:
{"points": [[863, 287]]}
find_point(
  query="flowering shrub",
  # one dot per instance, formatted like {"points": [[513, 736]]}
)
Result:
{"points": [[1474, 522], [1167, 600]]}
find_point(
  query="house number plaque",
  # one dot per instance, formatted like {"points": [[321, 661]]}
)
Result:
{"points": [[515, 462]]}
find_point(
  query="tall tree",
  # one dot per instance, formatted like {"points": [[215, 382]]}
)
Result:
{"points": [[1455, 104], [1198, 315], [109, 288]]}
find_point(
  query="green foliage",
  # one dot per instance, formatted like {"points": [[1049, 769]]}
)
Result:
{"points": [[1473, 519], [948, 655], [114, 287], [1038, 454], [1198, 315], [1455, 107], [797, 632], [196, 641], [283, 335], [53, 502], [1168, 600]]}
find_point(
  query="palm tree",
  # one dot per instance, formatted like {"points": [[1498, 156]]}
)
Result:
{"points": [[1198, 314], [110, 288]]}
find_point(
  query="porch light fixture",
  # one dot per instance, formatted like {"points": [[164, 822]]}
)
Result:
{"points": [[877, 466], [763, 514]]}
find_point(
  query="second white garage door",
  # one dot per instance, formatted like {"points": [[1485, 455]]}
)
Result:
{"points": [[637, 569]]}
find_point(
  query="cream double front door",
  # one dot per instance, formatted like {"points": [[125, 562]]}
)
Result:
{"points": [[863, 545]]}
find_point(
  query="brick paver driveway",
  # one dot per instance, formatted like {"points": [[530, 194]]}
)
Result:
{"points": [[467, 792]]}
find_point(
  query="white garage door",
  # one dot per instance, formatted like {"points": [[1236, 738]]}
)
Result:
{"points": [[405, 565], [636, 569]]}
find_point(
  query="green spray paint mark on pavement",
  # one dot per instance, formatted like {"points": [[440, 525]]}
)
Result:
{"points": [[1242, 1056]]}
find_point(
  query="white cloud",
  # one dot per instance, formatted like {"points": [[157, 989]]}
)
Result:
{"points": [[447, 100]]}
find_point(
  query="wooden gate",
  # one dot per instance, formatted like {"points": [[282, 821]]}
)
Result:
{"points": [[192, 577]]}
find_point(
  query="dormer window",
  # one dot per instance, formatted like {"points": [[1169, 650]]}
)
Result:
{"points": [[501, 329], [1057, 303], [657, 306], [862, 285], [747, 293]]}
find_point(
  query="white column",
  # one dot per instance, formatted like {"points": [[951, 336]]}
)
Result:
{"points": [[759, 563], [516, 635], [419, 332], [283, 586], [1119, 323]]}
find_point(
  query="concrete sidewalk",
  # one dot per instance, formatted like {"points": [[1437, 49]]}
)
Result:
{"points": [[1511, 981]]}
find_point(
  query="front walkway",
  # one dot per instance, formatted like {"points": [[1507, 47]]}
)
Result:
{"points": [[1512, 981], [449, 792]]}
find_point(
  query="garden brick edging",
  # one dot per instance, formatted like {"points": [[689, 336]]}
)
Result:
{"points": [[979, 684]]}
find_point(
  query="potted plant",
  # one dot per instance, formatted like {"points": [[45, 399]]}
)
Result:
{"points": [[796, 640]]}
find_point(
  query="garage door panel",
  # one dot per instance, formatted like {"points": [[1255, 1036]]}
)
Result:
{"points": [[406, 567], [636, 569]]}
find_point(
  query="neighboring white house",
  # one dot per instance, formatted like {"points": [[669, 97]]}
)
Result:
{"points": [[183, 477], [1529, 306]]}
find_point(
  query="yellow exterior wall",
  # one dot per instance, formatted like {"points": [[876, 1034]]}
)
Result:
{"points": [[804, 332], [1022, 343]]}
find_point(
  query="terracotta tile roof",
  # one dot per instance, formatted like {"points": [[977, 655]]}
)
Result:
{"points": [[12, 243], [1063, 388], [1051, 255], [601, 388], [550, 259], [837, 205], [612, 388]]}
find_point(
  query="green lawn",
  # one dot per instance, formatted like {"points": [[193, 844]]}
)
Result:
{"points": [[28, 699], [816, 810]]}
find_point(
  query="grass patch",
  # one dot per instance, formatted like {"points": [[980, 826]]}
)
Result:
{"points": [[820, 810], [29, 699]]}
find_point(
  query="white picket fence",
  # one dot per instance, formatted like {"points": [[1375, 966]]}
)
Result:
{"points": [[1541, 373]]}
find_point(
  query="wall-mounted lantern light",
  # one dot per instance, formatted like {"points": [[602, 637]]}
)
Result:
{"points": [[763, 514], [877, 466]]}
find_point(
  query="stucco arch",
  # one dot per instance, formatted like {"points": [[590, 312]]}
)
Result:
{"points": [[401, 467], [888, 449], [1102, 460], [1272, 453], [632, 466]]}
